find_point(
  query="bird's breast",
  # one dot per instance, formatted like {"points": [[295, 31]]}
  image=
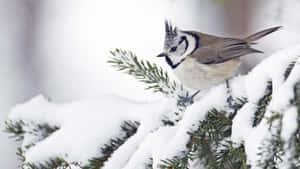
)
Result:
{"points": [[200, 76]]}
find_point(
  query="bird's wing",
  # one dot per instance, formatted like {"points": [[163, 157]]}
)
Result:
{"points": [[223, 50]]}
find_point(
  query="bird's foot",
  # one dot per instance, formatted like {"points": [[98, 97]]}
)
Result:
{"points": [[185, 101], [231, 103], [230, 100]]}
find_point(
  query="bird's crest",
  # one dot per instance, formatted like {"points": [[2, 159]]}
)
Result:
{"points": [[170, 29], [171, 34]]}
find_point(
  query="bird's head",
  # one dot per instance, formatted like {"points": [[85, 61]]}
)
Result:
{"points": [[175, 46]]}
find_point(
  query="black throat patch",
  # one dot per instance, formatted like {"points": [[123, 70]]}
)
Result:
{"points": [[170, 63]]}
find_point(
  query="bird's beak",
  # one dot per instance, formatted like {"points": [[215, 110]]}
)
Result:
{"points": [[162, 55]]}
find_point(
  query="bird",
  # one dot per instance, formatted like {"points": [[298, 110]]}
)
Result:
{"points": [[201, 60]]}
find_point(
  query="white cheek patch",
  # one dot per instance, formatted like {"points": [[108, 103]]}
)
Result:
{"points": [[176, 59], [192, 44], [181, 49]]}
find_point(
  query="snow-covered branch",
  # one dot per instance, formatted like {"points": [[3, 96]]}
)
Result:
{"points": [[209, 132]]}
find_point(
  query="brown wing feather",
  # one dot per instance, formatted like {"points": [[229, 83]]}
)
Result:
{"points": [[223, 50], [214, 50]]}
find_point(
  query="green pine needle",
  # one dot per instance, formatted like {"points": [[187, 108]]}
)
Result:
{"points": [[155, 77]]}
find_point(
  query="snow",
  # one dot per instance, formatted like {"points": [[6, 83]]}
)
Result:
{"points": [[242, 123], [84, 121], [151, 148], [255, 85], [289, 123], [281, 100], [254, 140], [261, 134], [131, 148], [214, 98], [289, 127], [87, 125]]}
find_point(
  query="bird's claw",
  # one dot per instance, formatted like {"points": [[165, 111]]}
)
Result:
{"points": [[231, 103], [185, 101], [230, 100]]}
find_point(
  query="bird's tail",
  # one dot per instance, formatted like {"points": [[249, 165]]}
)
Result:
{"points": [[261, 34]]}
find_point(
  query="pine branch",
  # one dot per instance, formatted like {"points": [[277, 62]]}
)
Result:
{"points": [[17, 129], [211, 146], [149, 73], [129, 128], [272, 150], [210, 143], [41, 131], [297, 146], [231, 157], [52, 163], [181, 162], [262, 105], [297, 134], [289, 70]]}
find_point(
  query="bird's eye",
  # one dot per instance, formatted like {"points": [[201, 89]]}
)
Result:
{"points": [[173, 49]]}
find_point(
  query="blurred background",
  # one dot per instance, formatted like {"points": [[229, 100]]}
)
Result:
{"points": [[59, 48]]}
